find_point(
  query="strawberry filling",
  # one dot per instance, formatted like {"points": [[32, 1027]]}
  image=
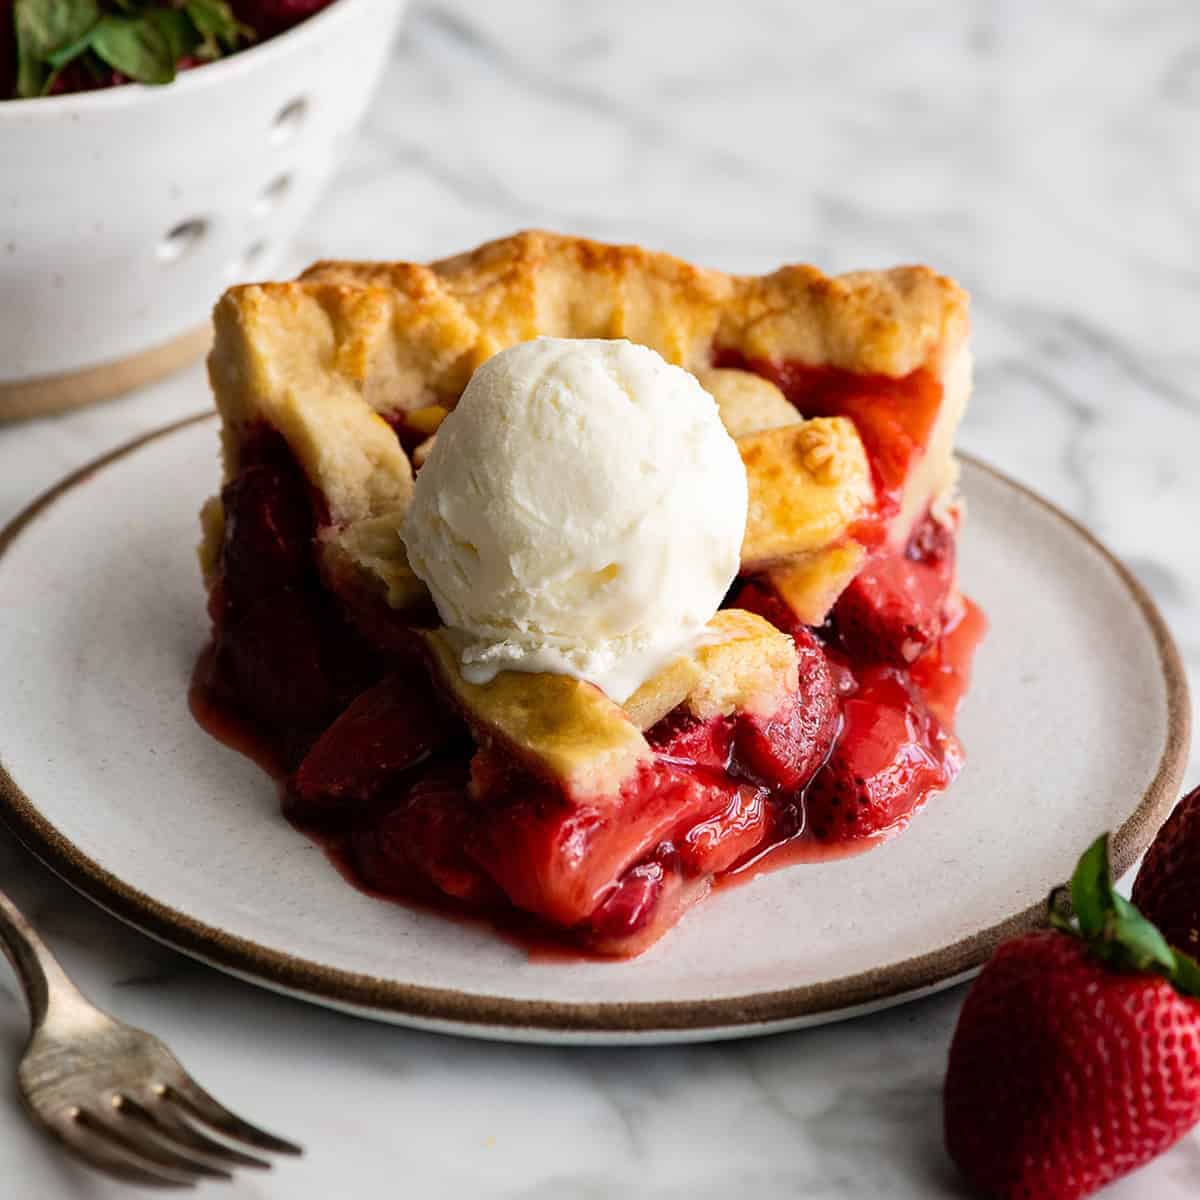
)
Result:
{"points": [[891, 754], [896, 607], [390, 778], [285, 659], [387, 731], [894, 417]]}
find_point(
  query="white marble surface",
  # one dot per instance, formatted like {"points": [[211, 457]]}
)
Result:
{"points": [[1045, 155]]}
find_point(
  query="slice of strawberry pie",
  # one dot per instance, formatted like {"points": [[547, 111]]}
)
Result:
{"points": [[536, 629]]}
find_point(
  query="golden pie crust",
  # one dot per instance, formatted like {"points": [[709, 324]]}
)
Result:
{"points": [[321, 357], [570, 732]]}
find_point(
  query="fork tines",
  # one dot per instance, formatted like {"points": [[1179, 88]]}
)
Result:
{"points": [[160, 1139]]}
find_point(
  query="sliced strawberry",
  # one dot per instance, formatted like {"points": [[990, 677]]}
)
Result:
{"points": [[270, 658], [268, 624], [780, 752], [889, 613], [845, 682], [417, 848], [561, 859], [351, 664], [888, 758], [683, 739], [716, 843], [285, 653], [386, 731], [542, 853], [268, 532], [893, 609], [758, 596], [629, 906], [785, 749], [934, 542], [643, 914]]}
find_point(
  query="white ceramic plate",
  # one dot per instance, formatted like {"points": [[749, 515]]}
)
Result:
{"points": [[1076, 723]]}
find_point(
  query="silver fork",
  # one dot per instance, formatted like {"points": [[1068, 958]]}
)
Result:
{"points": [[114, 1096]]}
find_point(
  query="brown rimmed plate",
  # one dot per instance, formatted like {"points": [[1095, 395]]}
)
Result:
{"points": [[1077, 722]]}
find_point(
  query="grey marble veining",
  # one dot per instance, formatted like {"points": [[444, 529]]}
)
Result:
{"points": [[1044, 155]]}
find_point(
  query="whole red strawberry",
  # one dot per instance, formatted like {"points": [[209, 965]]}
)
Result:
{"points": [[1167, 888], [267, 17], [1077, 1053]]}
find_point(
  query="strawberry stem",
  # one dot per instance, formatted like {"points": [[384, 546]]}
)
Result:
{"points": [[1112, 928]]}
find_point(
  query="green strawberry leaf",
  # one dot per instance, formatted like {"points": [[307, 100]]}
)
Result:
{"points": [[177, 29], [136, 47], [1091, 888], [143, 40], [1187, 974], [210, 17], [43, 27], [71, 50], [1141, 943], [1113, 929], [216, 25]]}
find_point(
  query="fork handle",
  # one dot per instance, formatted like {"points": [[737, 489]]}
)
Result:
{"points": [[42, 976]]}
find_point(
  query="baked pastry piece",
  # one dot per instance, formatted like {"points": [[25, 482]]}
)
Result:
{"points": [[820, 703]]}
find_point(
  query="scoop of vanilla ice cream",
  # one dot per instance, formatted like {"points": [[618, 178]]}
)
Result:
{"points": [[581, 513]]}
